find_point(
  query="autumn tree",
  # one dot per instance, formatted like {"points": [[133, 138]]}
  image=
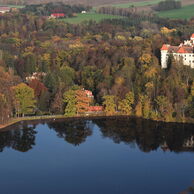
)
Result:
{"points": [[24, 99], [83, 101], [125, 105], [57, 105], [109, 104], [38, 87], [164, 108], [4, 113], [70, 101], [67, 76]]}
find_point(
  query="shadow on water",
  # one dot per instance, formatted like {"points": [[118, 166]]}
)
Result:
{"points": [[148, 135], [19, 139], [73, 132]]}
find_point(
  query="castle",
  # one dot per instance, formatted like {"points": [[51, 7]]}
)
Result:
{"points": [[183, 53]]}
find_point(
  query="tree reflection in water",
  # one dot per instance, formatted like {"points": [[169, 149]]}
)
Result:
{"points": [[189, 190], [149, 135], [74, 132], [19, 139]]}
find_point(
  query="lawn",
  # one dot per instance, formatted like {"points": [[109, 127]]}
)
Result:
{"points": [[89, 16], [136, 4], [185, 12]]}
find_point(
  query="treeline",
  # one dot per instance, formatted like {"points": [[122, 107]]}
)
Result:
{"points": [[168, 5], [119, 61], [126, 12], [116, 11], [49, 8]]}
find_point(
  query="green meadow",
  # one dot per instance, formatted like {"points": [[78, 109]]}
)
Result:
{"points": [[89, 16], [136, 4], [16, 6], [185, 12]]}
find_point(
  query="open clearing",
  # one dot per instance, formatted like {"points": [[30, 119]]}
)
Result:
{"points": [[90, 16], [185, 12], [16, 6], [144, 3], [136, 4]]}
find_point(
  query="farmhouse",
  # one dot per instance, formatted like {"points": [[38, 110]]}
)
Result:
{"points": [[36, 75], [57, 15], [95, 109], [4, 9], [183, 53], [88, 93]]}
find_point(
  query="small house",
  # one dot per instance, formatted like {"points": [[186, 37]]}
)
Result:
{"points": [[88, 93], [4, 9], [57, 15], [95, 109]]}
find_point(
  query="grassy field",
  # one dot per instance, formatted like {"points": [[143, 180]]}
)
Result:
{"points": [[185, 12], [136, 4], [89, 16], [16, 6]]}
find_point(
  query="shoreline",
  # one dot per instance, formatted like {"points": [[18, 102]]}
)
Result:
{"points": [[15, 121]]}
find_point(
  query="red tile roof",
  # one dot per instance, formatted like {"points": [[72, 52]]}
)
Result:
{"points": [[58, 14], [88, 93], [192, 36], [4, 8], [181, 50], [95, 108], [173, 49], [164, 47], [184, 49]]}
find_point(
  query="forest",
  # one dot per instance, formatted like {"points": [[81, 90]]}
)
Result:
{"points": [[45, 64], [48, 9], [168, 5]]}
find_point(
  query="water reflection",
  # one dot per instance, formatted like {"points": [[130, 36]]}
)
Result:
{"points": [[147, 135], [19, 139], [74, 132], [189, 190]]}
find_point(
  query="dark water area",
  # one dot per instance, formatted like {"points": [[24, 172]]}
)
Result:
{"points": [[97, 156]]}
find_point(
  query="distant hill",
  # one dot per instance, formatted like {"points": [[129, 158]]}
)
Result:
{"points": [[88, 2]]}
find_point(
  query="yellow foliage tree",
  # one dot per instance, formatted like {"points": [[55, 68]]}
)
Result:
{"points": [[24, 99], [125, 105], [110, 105]]}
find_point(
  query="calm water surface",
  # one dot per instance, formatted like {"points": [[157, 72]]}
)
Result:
{"points": [[99, 156]]}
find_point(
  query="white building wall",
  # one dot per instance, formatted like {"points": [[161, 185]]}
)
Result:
{"points": [[185, 58], [164, 59]]}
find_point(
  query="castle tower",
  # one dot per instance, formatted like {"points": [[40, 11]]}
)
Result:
{"points": [[164, 56], [192, 38]]}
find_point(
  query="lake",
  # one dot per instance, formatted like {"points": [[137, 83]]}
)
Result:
{"points": [[97, 156]]}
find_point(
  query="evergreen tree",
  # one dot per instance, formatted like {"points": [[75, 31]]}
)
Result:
{"points": [[71, 101]]}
